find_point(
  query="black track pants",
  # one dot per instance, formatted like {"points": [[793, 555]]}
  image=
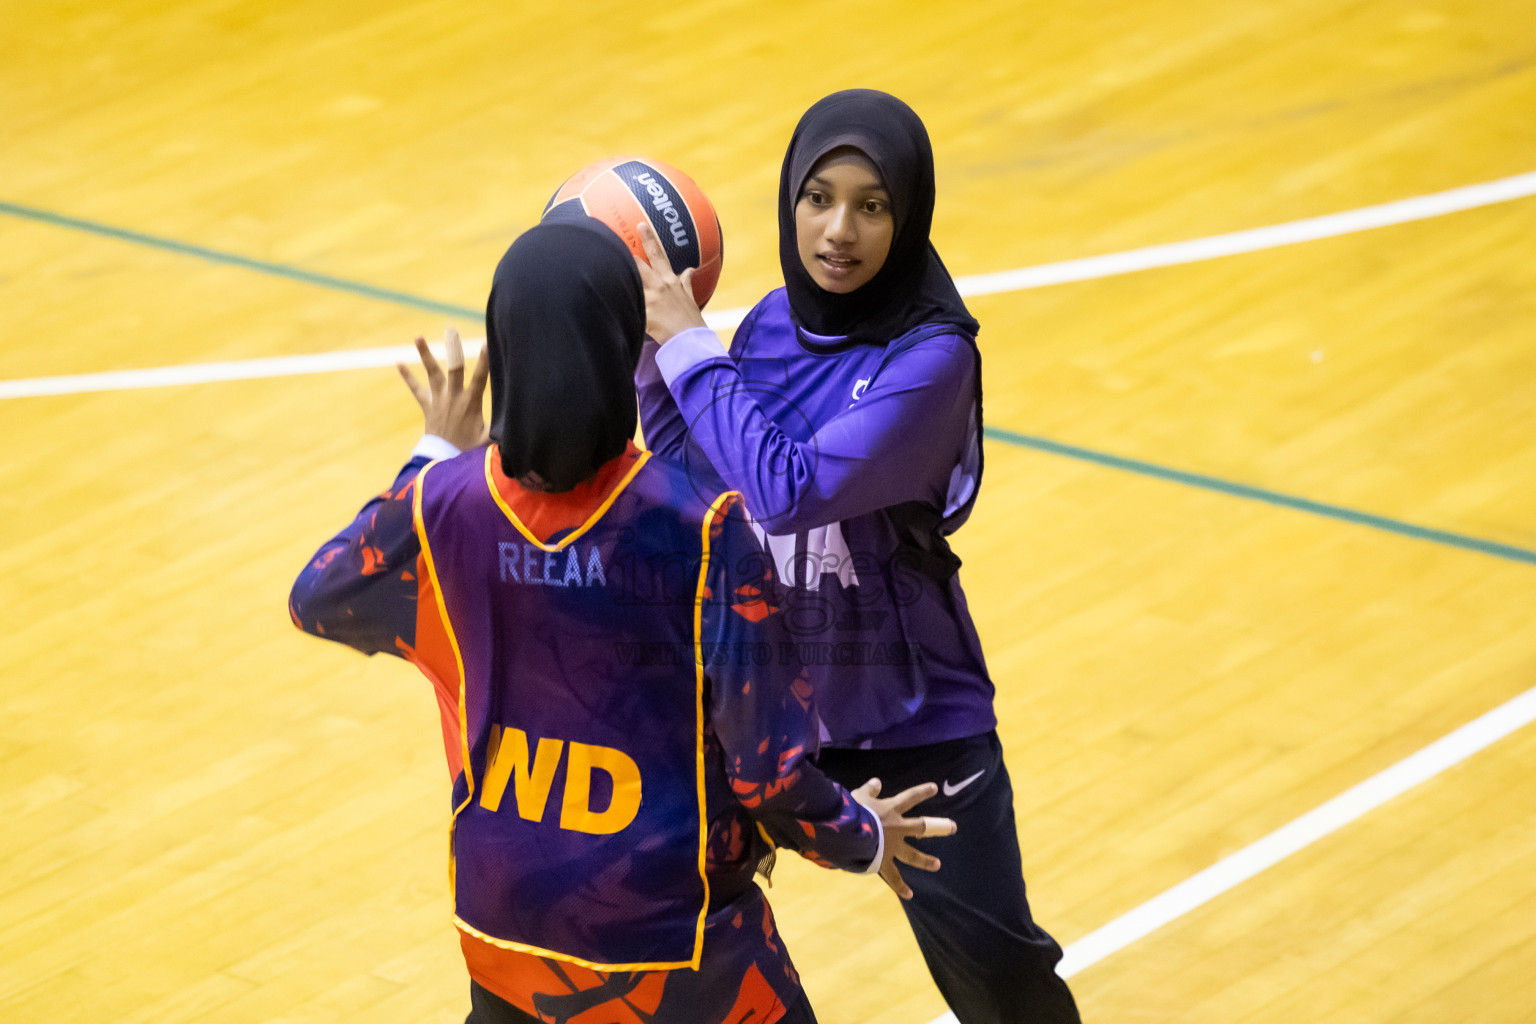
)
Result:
{"points": [[991, 962]]}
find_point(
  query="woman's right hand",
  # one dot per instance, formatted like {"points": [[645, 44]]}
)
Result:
{"points": [[669, 305], [899, 829]]}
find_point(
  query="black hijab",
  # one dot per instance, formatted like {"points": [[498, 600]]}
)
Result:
{"points": [[564, 323], [912, 287]]}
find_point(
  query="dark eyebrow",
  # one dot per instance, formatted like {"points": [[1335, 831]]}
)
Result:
{"points": [[824, 183]]}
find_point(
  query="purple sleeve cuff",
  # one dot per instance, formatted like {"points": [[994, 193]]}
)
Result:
{"points": [[688, 349], [646, 373]]}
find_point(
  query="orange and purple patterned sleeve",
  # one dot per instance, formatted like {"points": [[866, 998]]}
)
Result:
{"points": [[762, 707], [360, 588]]}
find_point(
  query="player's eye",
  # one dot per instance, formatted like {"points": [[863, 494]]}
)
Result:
{"points": [[814, 197], [876, 206]]}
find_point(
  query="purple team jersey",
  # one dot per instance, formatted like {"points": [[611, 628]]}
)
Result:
{"points": [[624, 737], [855, 460], [580, 825]]}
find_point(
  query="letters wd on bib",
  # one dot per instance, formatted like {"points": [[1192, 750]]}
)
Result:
{"points": [[621, 753]]}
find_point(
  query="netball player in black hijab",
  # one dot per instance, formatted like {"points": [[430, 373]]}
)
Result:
{"points": [[564, 325], [517, 578], [911, 287], [848, 413]]}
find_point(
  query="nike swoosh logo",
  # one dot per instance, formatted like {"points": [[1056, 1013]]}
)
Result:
{"points": [[957, 787]]}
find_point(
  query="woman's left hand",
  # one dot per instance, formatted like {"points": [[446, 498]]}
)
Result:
{"points": [[669, 305]]}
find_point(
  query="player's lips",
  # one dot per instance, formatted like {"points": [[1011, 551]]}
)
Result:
{"points": [[836, 265]]}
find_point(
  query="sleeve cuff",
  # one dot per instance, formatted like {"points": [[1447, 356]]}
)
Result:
{"points": [[688, 349], [433, 447], [646, 372], [874, 865]]}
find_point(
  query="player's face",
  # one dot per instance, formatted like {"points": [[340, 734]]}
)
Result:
{"points": [[843, 221]]}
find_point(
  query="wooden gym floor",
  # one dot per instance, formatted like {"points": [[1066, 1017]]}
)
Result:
{"points": [[1256, 528]]}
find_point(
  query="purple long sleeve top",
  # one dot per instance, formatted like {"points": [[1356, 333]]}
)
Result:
{"points": [[854, 461]]}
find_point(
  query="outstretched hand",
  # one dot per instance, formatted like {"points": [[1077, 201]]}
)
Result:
{"points": [[899, 829], [453, 411], [669, 305]]}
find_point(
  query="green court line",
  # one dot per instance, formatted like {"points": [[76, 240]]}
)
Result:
{"points": [[367, 291], [1235, 490], [1197, 480]]}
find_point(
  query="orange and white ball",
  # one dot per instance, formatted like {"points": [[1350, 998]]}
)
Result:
{"points": [[622, 190]]}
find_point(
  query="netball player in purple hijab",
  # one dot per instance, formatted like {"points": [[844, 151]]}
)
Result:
{"points": [[848, 413]]}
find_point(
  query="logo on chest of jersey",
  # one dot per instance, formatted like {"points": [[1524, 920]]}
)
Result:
{"points": [[532, 774], [860, 387]]}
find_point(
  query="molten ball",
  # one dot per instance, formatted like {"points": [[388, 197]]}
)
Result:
{"points": [[619, 192]]}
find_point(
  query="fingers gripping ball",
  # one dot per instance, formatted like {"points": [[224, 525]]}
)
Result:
{"points": [[620, 191]]}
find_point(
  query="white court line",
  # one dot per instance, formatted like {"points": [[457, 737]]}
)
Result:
{"points": [[1321, 821], [202, 373], [1401, 211]]}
